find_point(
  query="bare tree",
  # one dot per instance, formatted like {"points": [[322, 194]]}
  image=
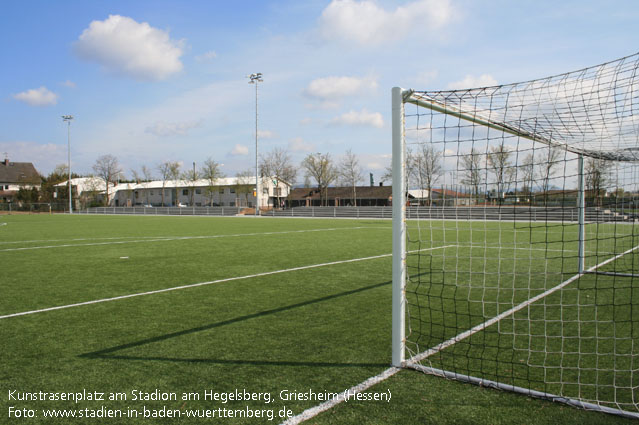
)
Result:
{"points": [[425, 166], [147, 177], [277, 165], [350, 173], [597, 176], [61, 170], [550, 160], [244, 184], [108, 168], [143, 177], [175, 176], [167, 171], [499, 164], [212, 173], [472, 172], [320, 167], [307, 181], [527, 170], [192, 175], [388, 174], [137, 178]]}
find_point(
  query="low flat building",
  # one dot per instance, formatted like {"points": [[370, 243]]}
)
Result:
{"points": [[440, 197], [224, 192], [363, 196]]}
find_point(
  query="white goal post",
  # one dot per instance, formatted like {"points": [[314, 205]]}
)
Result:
{"points": [[516, 235]]}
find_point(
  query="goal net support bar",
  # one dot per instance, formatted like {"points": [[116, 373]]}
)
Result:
{"points": [[546, 307]]}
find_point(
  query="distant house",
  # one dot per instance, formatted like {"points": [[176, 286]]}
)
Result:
{"points": [[88, 190], [365, 196], [17, 175]]}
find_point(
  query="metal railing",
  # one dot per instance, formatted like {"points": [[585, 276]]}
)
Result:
{"points": [[33, 208], [215, 211], [496, 213]]}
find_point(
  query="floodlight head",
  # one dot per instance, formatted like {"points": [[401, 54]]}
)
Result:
{"points": [[67, 117], [257, 77]]}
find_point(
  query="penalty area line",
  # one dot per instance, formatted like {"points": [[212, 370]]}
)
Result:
{"points": [[195, 285]]}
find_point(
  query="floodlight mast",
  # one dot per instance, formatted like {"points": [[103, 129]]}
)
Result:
{"points": [[255, 79], [67, 119]]}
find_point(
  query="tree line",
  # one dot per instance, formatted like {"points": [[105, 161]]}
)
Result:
{"points": [[320, 171], [499, 167]]}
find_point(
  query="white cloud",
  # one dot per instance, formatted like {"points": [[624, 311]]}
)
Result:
{"points": [[469, 81], [126, 47], [43, 156], [338, 87], [376, 166], [360, 118], [164, 129], [365, 22], [69, 83], [322, 105], [426, 78], [240, 150], [298, 144], [206, 57], [265, 134], [37, 97]]}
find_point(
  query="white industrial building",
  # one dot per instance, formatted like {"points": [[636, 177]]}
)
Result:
{"points": [[87, 191], [225, 192]]}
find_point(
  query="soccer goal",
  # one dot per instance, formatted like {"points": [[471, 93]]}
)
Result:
{"points": [[516, 235]]}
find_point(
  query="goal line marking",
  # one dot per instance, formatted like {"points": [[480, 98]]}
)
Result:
{"points": [[195, 285], [176, 238], [314, 411]]}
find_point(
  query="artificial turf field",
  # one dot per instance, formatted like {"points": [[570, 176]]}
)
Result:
{"points": [[324, 328]]}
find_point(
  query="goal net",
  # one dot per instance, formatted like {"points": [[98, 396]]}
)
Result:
{"points": [[516, 235]]}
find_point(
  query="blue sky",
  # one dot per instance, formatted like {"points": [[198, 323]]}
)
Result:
{"points": [[149, 81]]}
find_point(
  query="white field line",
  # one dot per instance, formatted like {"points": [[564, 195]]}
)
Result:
{"points": [[116, 238], [314, 411], [85, 239], [421, 356], [177, 238], [195, 285]]}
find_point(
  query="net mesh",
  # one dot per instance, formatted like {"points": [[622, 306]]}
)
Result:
{"points": [[494, 288]]}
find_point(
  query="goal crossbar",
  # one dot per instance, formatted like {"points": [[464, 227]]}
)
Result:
{"points": [[473, 116]]}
